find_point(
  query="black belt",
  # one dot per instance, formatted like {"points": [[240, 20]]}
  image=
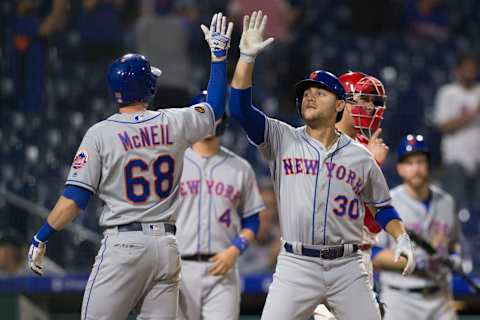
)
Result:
{"points": [[330, 253], [137, 226], [423, 290], [200, 257]]}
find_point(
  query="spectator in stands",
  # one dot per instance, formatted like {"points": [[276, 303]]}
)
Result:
{"points": [[457, 114], [261, 258], [162, 34], [34, 23], [100, 30], [11, 253], [426, 18]]}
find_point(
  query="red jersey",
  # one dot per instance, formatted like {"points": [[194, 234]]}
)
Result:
{"points": [[369, 220]]}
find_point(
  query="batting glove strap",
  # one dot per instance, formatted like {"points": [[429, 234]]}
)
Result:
{"points": [[219, 44], [36, 242], [456, 262], [247, 57]]}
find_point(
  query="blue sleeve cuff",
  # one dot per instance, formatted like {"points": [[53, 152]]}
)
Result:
{"points": [[251, 222], [376, 250], [45, 232], [217, 87], [250, 118], [79, 195], [385, 215]]}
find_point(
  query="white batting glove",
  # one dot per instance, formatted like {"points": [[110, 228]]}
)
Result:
{"points": [[35, 255], [252, 41], [218, 36], [405, 248], [456, 262]]}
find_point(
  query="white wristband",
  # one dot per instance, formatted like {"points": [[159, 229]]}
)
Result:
{"points": [[247, 58]]}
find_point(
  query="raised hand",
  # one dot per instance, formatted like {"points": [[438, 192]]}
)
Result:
{"points": [[377, 147], [218, 36], [252, 41]]}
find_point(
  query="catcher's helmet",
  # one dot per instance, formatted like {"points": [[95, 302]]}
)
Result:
{"points": [[322, 79], [368, 99], [349, 80], [221, 126], [411, 144], [132, 79]]}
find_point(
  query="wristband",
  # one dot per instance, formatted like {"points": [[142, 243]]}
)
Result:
{"points": [[247, 58], [241, 243], [45, 232]]}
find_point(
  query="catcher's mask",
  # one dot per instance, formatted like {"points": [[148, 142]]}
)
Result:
{"points": [[368, 103]]}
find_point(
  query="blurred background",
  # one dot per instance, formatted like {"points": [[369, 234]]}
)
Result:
{"points": [[53, 58]]}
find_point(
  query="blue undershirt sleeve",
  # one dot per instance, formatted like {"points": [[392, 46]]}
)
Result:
{"points": [[385, 215], [376, 250], [80, 195], [250, 118], [251, 222], [217, 87]]}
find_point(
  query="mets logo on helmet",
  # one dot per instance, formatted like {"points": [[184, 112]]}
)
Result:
{"points": [[80, 159]]}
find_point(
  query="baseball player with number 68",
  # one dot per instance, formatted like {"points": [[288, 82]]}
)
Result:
{"points": [[322, 179], [133, 161]]}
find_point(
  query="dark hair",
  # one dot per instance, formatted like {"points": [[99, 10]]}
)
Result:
{"points": [[465, 57]]}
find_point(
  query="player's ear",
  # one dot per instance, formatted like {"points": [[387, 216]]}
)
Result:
{"points": [[400, 169], [341, 104]]}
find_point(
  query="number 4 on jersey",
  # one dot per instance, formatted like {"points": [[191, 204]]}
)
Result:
{"points": [[226, 218]]}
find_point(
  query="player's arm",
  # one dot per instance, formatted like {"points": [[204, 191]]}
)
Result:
{"points": [[218, 39], [385, 260], [389, 219], [82, 182], [226, 259], [377, 196], [251, 44], [67, 208]]}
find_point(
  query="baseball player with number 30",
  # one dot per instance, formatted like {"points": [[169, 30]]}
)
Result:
{"points": [[321, 178], [366, 103], [133, 161]]}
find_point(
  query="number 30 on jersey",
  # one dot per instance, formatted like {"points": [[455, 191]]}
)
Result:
{"points": [[345, 206]]}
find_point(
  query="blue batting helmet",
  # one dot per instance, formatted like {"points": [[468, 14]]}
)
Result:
{"points": [[412, 144], [221, 127], [323, 79], [132, 79]]}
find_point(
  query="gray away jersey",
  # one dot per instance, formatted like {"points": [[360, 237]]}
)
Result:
{"points": [[215, 194], [134, 161], [321, 193], [438, 224]]}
